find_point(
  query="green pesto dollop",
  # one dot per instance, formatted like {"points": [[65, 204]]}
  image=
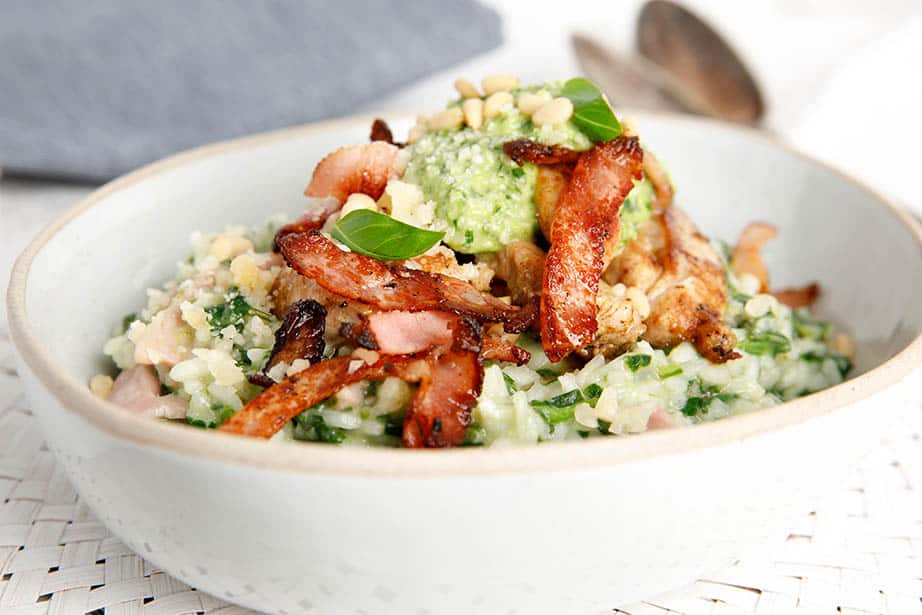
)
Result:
{"points": [[636, 209], [483, 200]]}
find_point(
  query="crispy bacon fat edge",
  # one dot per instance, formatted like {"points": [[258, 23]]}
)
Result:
{"points": [[526, 150], [387, 286], [299, 337], [585, 218], [450, 381]]}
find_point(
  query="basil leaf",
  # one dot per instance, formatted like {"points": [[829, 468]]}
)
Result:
{"points": [[591, 112], [380, 236]]}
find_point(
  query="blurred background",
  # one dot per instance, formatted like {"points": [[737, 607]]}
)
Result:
{"points": [[94, 89]]}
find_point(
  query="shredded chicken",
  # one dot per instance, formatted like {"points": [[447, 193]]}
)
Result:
{"points": [[683, 278]]}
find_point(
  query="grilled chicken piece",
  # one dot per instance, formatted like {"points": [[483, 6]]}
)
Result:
{"points": [[683, 278], [621, 315], [387, 286], [549, 185], [585, 219], [662, 185]]}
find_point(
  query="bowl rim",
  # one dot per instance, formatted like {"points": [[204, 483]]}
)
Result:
{"points": [[371, 462]]}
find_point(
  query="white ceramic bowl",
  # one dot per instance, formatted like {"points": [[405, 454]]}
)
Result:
{"points": [[565, 528]]}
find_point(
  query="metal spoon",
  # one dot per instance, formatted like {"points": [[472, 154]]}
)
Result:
{"points": [[684, 65]]}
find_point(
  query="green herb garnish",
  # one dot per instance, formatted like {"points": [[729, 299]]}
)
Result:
{"points": [[557, 409], [518, 172], [806, 326], [510, 384], [232, 313], [309, 425], [591, 112], [382, 237], [766, 343], [127, 320], [668, 371], [636, 361], [593, 393], [546, 372]]}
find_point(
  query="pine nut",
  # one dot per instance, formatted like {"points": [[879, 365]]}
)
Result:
{"points": [[447, 119], [416, 133], [530, 102], [358, 201], [466, 89], [553, 113], [499, 83], [495, 104], [101, 385], [473, 112], [843, 344]]}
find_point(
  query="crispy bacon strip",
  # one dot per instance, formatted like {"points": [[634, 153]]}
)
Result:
{"points": [[268, 412], [380, 131], [354, 168], [549, 185], [526, 150], [314, 219], [448, 390], [450, 380], [498, 348], [585, 218], [747, 254], [387, 286], [804, 296], [301, 334]]}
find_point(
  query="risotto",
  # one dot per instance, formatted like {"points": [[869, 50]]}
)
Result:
{"points": [[516, 273]]}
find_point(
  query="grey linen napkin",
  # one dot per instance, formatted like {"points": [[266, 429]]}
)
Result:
{"points": [[92, 89]]}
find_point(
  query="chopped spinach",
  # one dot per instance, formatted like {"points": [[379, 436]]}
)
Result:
{"points": [[510, 384], [232, 312], [806, 326], [766, 343], [127, 320], [593, 393], [518, 172], [636, 361], [310, 426], [843, 363], [668, 371], [546, 372]]}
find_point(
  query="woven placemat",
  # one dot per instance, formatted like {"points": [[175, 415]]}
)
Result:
{"points": [[858, 553]]}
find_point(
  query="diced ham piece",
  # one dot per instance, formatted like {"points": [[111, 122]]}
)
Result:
{"points": [[138, 389], [161, 340], [400, 332], [660, 419]]}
